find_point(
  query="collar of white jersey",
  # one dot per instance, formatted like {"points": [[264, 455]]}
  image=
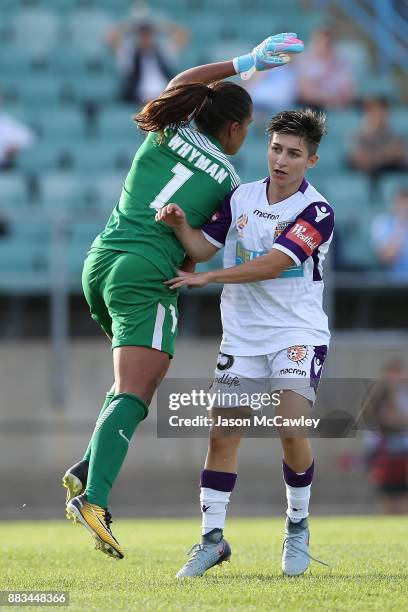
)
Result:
{"points": [[303, 185]]}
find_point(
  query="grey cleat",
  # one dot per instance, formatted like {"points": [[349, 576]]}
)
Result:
{"points": [[295, 553], [213, 550]]}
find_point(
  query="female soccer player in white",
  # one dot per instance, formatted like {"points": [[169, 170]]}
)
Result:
{"points": [[276, 234]]}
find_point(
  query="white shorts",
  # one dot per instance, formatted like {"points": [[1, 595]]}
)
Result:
{"points": [[296, 368]]}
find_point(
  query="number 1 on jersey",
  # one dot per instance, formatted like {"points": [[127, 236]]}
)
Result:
{"points": [[181, 175]]}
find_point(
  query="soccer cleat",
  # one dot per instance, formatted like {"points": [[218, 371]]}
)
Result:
{"points": [[295, 553], [97, 520], [213, 550], [74, 479]]}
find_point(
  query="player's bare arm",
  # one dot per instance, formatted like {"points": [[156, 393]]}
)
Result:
{"points": [[272, 52], [262, 268], [193, 241]]}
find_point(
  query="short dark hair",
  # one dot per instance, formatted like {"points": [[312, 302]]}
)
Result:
{"points": [[306, 123]]}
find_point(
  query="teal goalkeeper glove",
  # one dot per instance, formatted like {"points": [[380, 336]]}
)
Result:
{"points": [[272, 52]]}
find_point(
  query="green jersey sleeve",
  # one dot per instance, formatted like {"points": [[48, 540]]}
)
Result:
{"points": [[185, 167]]}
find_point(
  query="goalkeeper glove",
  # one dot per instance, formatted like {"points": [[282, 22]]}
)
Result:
{"points": [[272, 52]]}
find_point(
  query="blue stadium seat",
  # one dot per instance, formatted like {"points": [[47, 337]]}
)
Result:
{"points": [[392, 183], [13, 190], [87, 29], [59, 122], [62, 191], [81, 236], [116, 122], [109, 187], [36, 29], [349, 195]]}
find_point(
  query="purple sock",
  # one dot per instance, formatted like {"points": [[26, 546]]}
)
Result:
{"points": [[294, 479], [220, 481]]}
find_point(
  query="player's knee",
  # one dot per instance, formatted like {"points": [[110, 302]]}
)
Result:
{"points": [[224, 446], [292, 442]]}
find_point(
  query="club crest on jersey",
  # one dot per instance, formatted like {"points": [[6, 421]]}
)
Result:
{"points": [[297, 353], [241, 223], [280, 227]]}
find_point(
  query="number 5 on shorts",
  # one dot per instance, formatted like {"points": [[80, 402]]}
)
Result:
{"points": [[181, 175]]}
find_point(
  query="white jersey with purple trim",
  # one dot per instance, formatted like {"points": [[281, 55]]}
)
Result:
{"points": [[266, 316]]}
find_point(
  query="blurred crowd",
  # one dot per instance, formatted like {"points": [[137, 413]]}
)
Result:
{"points": [[148, 48]]}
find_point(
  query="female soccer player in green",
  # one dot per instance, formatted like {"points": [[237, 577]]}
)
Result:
{"points": [[129, 261]]}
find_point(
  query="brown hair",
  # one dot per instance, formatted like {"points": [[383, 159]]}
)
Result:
{"points": [[307, 123], [211, 106]]}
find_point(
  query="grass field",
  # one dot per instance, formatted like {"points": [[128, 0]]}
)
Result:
{"points": [[368, 558]]}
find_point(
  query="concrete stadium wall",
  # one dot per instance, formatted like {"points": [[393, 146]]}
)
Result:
{"points": [[160, 476]]}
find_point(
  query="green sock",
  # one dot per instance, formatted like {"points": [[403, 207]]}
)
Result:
{"points": [[108, 399], [110, 443]]}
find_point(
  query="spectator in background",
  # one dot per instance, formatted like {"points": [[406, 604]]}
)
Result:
{"points": [[271, 91], [387, 445], [145, 67], [376, 148], [389, 233], [14, 136], [324, 80]]}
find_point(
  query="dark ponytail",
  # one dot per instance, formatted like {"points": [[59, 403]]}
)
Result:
{"points": [[210, 106]]}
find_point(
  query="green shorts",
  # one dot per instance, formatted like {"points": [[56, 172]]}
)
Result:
{"points": [[128, 299]]}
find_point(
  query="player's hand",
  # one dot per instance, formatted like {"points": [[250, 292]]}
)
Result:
{"points": [[186, 279], [272, 52], [172, 215]]}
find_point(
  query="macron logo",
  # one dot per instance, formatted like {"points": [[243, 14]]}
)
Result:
{"points": [[321, 213]]}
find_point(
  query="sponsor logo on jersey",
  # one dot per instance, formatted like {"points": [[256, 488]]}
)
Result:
{"points": [[305, 235], [241, 223], [224, 361], [297, 353], [292, 371], [228, 380], [242, 254], [321, 213], [265, 215]]}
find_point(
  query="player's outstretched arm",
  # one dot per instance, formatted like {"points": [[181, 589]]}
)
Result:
{"points": [[274, 51], [262, 268], [192, 240]]}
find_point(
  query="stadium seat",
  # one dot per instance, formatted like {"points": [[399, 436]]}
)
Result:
{"points": [[109, 187], [59, 122], [47, 155], [116, 122], [87, 29], [349, 195], [91, 156], [390, 184], [81, 236], [13, 190], [61, 192], [35, 89], [36, 29]]}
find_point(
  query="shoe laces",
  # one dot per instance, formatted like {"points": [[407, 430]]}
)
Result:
{"points": [[291, 550], [108, 519], [194, 550]]}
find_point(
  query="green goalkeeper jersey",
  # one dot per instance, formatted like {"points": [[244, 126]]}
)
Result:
{"points": [[187, 168]]}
